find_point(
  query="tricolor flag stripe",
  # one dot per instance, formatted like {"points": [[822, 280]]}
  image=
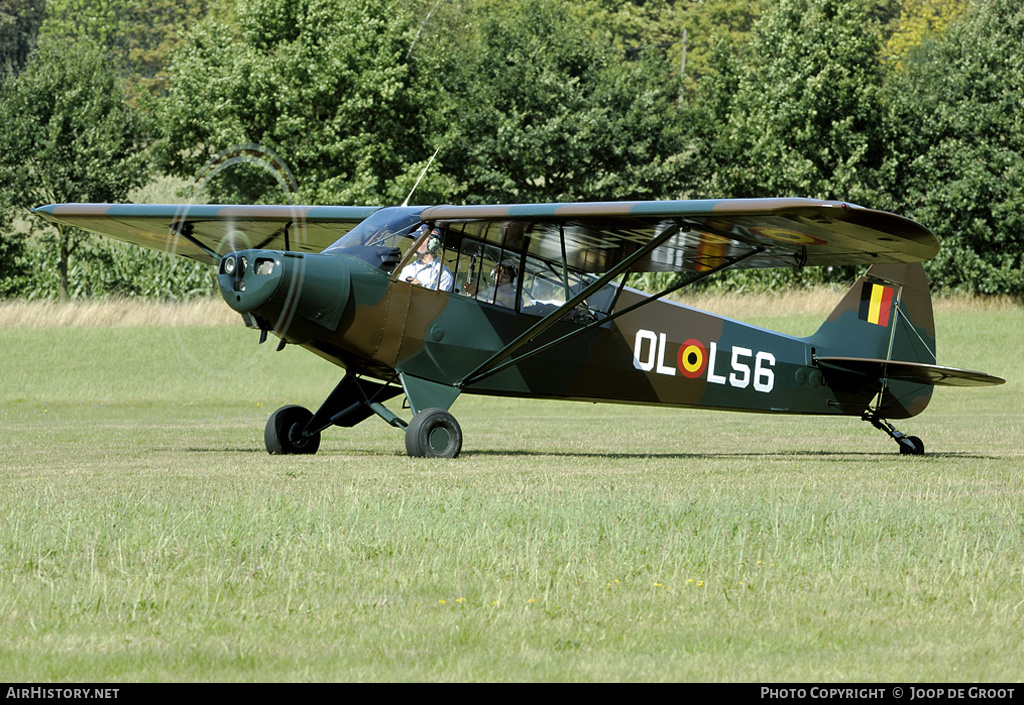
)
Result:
{"points": [[876, 304], [709, 253]]}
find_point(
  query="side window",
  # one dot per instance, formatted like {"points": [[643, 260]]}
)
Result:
{"points": [[448, 260], [428, 263], [472, 260], [545, 289], [487, 273], [543, 283]]}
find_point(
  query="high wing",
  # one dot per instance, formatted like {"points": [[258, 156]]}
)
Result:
{"points": [[696, 236], [204, 232]]}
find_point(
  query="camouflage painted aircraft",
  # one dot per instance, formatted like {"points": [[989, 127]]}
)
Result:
{"points": [[532, 301]]}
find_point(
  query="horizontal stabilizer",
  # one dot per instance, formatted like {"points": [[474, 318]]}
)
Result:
{"points": [[895, 370]]}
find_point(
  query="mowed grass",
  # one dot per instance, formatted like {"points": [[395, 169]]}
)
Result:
{"points": [[145, 535]]}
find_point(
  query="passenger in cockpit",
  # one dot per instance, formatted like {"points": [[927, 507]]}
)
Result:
{"points": [[503, 281]]}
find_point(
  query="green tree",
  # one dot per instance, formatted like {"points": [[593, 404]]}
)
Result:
{"points": [[920, 22], [710, 25], [537, 107], [137, 34], [805, 119], [794, 111], [66, 134], [329, 85], [14, 271], [642, 24], [19, 25], [956, 161]]}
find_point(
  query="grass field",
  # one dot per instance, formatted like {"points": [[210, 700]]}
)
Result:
{"points": [[145, 535]]}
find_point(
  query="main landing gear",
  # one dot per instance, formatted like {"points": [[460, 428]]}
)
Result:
{"points": [[909, 445], [285, 432], [433, 433], [294, 430]]}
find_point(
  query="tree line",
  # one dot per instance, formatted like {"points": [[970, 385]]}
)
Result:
{"points": [[912, 106]]}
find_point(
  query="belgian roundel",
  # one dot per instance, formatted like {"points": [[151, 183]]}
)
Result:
{"points": [[693, 358]]}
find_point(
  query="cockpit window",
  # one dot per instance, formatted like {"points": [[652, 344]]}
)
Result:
{"points": [[382, 239], [508, 279], [546, 287]]}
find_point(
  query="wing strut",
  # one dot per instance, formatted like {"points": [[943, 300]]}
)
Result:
{"points": [[565, 260], [183, 228], [481, 373], [569, 305]]}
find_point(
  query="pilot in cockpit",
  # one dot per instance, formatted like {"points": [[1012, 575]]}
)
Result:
{"points": [[427, 270]]}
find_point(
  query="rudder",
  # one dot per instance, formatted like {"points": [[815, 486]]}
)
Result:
{"points": [[886, 314]]}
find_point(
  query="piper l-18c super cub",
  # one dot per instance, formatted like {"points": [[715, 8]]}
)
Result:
{"points": [[531, 301]]}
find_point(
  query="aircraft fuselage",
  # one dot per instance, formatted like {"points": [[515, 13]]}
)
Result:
{"points": [[663, 354]]}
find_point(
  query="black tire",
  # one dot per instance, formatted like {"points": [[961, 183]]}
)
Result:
{"points": [[281, 436], [911, 445], [433, 433]]}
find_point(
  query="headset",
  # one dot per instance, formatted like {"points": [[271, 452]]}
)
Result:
{"points": [[434, 243]]}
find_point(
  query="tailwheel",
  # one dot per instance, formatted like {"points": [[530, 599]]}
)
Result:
{"points": [[285, 432], [433, 433], [911, 445]]}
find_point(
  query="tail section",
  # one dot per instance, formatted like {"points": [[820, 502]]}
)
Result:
{"points": [[886, 315]]}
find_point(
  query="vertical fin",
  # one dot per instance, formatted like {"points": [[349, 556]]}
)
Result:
{"points": [[886, 315]]}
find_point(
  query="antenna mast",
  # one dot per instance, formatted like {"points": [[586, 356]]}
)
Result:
{"points": [[422, 174]]}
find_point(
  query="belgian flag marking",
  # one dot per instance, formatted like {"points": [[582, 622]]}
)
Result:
{"points": [[876, 304]]}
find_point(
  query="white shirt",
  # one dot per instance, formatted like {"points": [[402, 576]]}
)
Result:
{"points": [[427, 274]]}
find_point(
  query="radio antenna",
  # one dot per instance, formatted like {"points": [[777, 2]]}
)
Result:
{"points": [[422, 174]]}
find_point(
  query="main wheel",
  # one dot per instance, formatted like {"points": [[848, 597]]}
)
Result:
{"points": [[911, 445], [282, 436], [433, 433]]}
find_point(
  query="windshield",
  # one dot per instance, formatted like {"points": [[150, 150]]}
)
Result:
{"points": [[382, 239]]}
